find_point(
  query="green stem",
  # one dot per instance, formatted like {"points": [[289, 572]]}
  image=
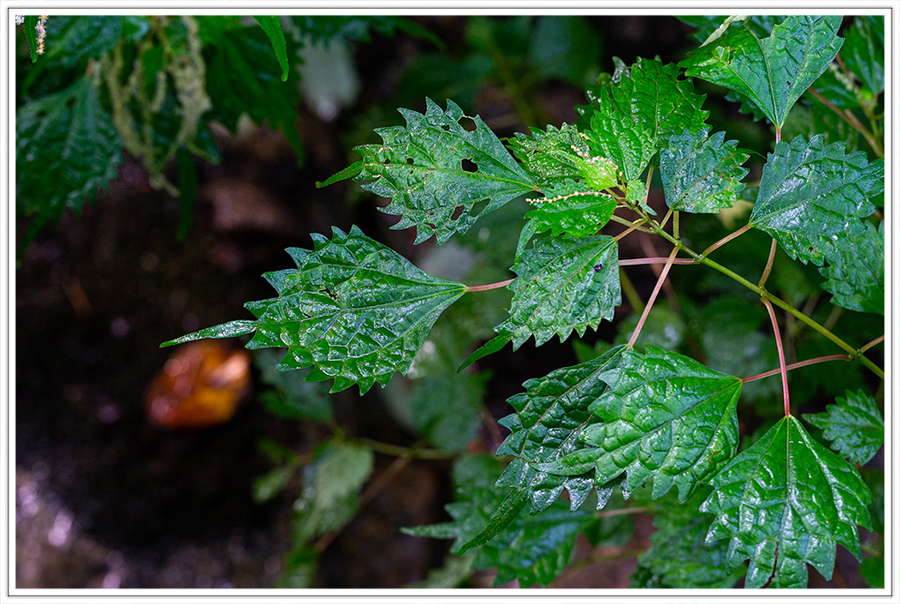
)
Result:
{"points": [[637, 305], [853, 352], [408, 452]]}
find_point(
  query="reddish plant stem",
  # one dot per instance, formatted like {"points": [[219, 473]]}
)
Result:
{"points": [[655, 260], [481, 288], [777, 135], [725, 240], [769, 262], [848, 117], [784, 383], [831, 357], [659, 282], [874, 342]]}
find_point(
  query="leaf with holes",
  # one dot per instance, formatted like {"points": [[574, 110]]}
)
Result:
{"points": [[637, 112], [353, 309], [665, 416], [422, 168], [784, 503], [563, 285], [854, 425], [773, 71], [812, 196], [701, 173], [856, 272]]}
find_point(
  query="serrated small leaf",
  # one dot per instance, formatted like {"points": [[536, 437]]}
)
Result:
{"points": [[785, 502], [551, 155], [701, 173], [421, 168], [571, 210], [856, 272], [550, 416], [68, 135], [563, 285], [812, 196], [665, 416], [678, 556], [354, 310], [854, 425], [638, 110], [773, 71], [272, 26]]}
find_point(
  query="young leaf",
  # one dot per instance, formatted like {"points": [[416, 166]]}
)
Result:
{"points": [[856, 273], [571, 210], [854, 425], [771, 71], [67, 135], [638, 111], [678, 557], [272, 26], [552, 155], [811, 197], [785, 502], [665, 416], [421, 168], [354, 309], [563, 284], [701, 173], [550, 415]]}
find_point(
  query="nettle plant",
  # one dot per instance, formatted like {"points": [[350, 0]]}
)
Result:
{"points": [[631, 428]]}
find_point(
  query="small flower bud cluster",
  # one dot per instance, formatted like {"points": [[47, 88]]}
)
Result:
{"points": [[42, 33], [20, 19]]}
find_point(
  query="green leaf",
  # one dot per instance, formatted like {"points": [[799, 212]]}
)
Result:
{"points": [[77, 40], [854, 425], [455, 570], [330, 492], [300, 566], [30, 26], [550, 416], [552, 155], [856, 273], [447, 408], [702, 173], [811, 197], [272, 27], [269, 485], [242, 78], [291, 397], [354, 309], [571, 210], [774, 71], [421, 168], [563, 284], [678, 556], [564, 47], [707, 24], [785, 502], [67, 135], [864, 51], [665, 416], [639, 109]]}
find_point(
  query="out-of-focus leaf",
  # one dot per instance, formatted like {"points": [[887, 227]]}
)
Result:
{"points": [[300, 568], [864, 50], [638, 110], [291, 396], [69, 136], [330, 492], [447, 408], [455, 570], [856, 273], [564, 47], [701, 173], [563, 285], [76, 40], [662, 328], [771, 71], [665, 416], [811, 197], [785, 502], [707, 24], [854, 425], [269, 485], [354, 309], [678, 556], [422, 168]]}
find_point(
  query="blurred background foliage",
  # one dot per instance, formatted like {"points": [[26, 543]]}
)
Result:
{"points": [[199, 160]]}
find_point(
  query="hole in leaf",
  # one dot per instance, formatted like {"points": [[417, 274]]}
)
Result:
{"points": [[410, 161], [478, 207], [445, 127], [457, 212], [469, 125], [469, 166]]}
